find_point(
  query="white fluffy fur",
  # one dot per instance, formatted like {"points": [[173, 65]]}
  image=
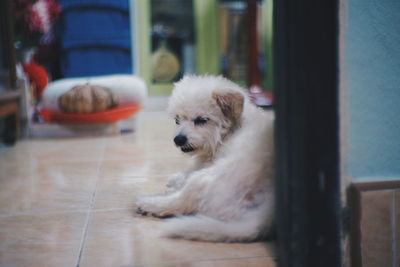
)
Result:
{"points": [[227, 193]]}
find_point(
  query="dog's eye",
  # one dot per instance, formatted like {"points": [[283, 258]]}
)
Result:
{"points": [[200, 121], [177, 121]]}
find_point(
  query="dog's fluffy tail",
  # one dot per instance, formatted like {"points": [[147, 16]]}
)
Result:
{"points": [[205, 228]]}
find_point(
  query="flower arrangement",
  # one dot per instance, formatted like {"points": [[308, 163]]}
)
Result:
{"points": [[34, 18]]}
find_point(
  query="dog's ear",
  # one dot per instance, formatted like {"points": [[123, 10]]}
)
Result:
{"points": [[230, 102]]}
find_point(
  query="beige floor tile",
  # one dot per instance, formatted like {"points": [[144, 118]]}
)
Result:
{"points": [[120, 181], [240, 262], [47, 187], [128, 147], [54, 150], [155, 126], [118, 238], [68, 149], [121, 191], [142, 167], [50, 184], [52, 240], [151, 128], [20, 149], [20, 167]]}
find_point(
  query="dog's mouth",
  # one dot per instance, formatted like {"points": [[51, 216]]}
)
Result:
{"points": [[188, 148]]}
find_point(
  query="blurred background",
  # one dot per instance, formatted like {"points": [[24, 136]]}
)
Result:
{"points": [[157, 41]]}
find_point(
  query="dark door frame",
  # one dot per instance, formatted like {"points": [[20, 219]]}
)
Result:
{"points": [[307, 132]]}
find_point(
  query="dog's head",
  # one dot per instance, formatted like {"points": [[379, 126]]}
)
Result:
{"points": [[206, 110]]}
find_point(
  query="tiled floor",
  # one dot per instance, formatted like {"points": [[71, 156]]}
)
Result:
{"points": [[68, 202]]}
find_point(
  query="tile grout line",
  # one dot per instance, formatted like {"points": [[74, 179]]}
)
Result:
{"points": [[91, 205]]}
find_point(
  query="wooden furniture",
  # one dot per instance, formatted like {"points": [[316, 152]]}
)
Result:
{"points": [[9, 96], [375, 223]]}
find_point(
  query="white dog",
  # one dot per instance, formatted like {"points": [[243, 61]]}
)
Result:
{"points": [[228, 190]]}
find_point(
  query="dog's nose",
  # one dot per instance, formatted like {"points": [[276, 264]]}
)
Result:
{"points": [[180, 140]]}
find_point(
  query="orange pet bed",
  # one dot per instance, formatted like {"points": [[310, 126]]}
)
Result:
{"points": [[129, 90], [110, 115]]}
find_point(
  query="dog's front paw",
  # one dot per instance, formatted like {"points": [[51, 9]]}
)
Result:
{"points": [[139, 210], [148, 206], [141, 206]]}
